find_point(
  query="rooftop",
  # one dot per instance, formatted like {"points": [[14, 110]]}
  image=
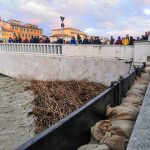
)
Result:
{"points": [[69, 28]]}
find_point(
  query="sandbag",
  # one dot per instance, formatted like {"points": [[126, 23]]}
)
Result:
{"points": [[135, 101], [123, 112], [99, 129], [113, 126], [125, 125], [144, 79], [94, 147], [135, 92], [139, 86], [147, 69], [115, 142]]}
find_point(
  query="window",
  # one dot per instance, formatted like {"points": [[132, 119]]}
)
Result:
{"points": [[22, 35], [14, 34]]}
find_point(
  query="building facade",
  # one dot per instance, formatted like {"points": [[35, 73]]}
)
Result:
{"points": [[5, 34], [66, 34], [12, 28], [24, 30]]}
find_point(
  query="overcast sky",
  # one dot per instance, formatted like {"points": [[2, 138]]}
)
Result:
{"points": [[96, 17]]}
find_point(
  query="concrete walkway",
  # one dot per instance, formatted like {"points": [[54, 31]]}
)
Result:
{"points": [[140, 139], [15, 125]]}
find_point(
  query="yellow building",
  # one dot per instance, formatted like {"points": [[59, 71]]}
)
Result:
{"points": [[5, 34], [25, 30], [66, 34], [19, 29]]}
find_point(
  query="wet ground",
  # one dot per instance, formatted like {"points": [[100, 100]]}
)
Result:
{"points": [[15, 103]]}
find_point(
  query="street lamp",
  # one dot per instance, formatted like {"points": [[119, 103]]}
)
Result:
{"points": [[62, 26]]}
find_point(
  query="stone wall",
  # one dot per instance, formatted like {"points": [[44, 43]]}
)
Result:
{"points": [[47, 67]]}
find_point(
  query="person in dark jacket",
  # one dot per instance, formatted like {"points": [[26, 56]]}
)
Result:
{"points": [[111, 40], [85, 40], [131, 40], [73, 40], [15, 40], [32, 39], [10, 40], [146, 36], [47, 40], [119, 41], [79, 40], [98, 41], [19, 39]]}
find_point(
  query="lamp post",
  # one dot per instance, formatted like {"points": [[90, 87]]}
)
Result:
{"points": [[62, 26]]}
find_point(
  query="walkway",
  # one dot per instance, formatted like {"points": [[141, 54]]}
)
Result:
{"points": [[140, 139]]}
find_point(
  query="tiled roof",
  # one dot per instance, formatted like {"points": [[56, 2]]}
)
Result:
{"points": [[59, 35], [6, 30], [68, 28]]}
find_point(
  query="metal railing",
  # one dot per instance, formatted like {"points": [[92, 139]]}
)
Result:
{"points": [[31, 48]]}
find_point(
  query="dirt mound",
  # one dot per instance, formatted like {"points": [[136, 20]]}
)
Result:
{"points": [[56, 99]]}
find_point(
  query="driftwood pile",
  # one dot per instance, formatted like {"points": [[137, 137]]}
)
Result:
{"points": [[56, 99]]}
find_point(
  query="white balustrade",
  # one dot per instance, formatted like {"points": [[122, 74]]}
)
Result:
{"points": [[31, 48]]}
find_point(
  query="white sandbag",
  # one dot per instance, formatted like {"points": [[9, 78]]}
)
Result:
{"points": [[94, 147], [102, 127], [115, 142], [99, 129], [125, 125], [135, 101], [135, 92], [122, 112], [147, 69], [144, 79], [141, 87]]}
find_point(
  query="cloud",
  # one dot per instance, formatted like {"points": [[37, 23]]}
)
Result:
{"points": [[146, 11], [37, 9], [100, 17]]}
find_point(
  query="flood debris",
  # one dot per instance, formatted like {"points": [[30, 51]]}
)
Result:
{"points": [[56, 99]]}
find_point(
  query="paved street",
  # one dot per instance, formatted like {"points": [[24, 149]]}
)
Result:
{"points": [[15, 124]]}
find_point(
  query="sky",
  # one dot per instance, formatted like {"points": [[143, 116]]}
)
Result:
{"points": [[95, 17]]}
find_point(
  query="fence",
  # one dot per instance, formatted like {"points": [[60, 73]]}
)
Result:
{"points": [[101, 51], [31, 48]]}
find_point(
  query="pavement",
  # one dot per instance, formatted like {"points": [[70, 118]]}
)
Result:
{"points": [[15, 103], [140, 138]]}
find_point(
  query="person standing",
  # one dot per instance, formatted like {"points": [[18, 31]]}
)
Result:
{"points": [[131, 41], [79, 40], [119, 41], [73, 40], [112, 40], [85, 40], [47, 40], [126, 40]]}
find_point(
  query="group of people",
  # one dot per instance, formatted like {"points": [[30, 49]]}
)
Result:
{"points": [[92, 40], [128, 40], [34, 39], [78, 40]]}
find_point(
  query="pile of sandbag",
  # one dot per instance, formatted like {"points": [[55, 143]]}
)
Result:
{"points": [[114, 133]]}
